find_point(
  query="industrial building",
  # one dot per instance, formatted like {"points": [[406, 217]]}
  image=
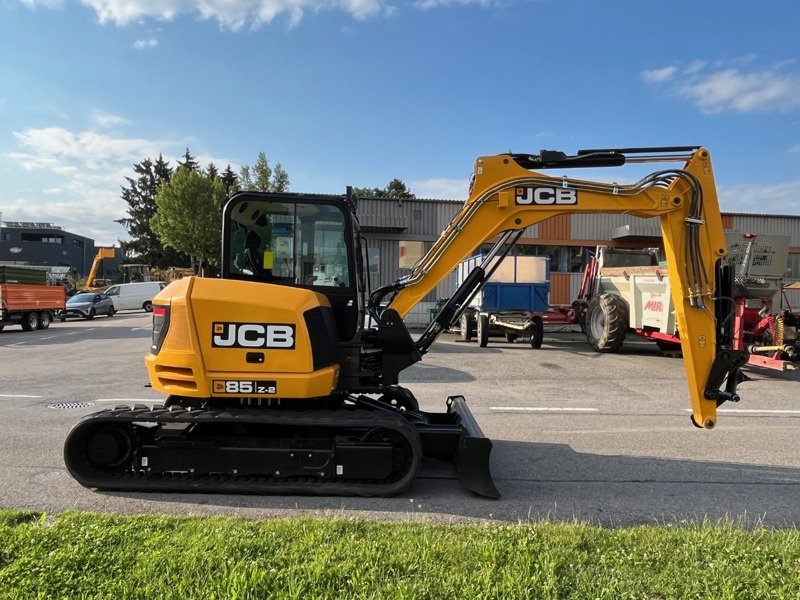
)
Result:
{"points": [[45, 244], [398, 231]]}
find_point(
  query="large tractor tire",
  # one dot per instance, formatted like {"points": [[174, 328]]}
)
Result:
{"points": [[537, 333], [483, 330], [465, 326], [607, 322]]}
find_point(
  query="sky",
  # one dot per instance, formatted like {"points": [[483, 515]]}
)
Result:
{"points": [[359, 92]]}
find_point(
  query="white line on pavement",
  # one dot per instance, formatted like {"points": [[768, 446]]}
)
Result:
{"points": [[754, 411], [130, 400], [559, 409], [17, 396]]}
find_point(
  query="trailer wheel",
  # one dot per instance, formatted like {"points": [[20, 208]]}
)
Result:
{"points": [[466, 327], [606, 322], [30, 321], [483, 330], [44, 319], [511, 337], [537, 334]]}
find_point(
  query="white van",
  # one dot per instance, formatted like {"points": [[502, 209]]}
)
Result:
{"points": [[134, 296]]}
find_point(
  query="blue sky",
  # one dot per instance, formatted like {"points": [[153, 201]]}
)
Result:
{"points": [[359, 92]]}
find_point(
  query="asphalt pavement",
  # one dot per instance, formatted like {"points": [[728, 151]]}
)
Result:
{"points": [[577, 435]]}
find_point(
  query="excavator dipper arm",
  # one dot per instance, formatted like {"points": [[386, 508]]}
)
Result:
{"points": [[507, 196]]}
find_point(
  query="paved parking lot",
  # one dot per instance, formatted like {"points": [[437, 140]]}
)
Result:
{"points": [[577, 435]]}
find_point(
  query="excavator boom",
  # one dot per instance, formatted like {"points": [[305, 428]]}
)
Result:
{"points": [[507, 195]]}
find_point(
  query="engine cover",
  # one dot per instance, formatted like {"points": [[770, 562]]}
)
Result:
{"points": [[231, 338]]}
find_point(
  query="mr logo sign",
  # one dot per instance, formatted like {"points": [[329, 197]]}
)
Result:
{"points": [[545, 196]]}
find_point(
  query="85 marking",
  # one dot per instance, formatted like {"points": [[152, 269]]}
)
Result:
{"points": [[245, 386]]}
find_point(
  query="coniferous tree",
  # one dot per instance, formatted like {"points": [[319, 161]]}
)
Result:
{"points": [[262, 177], [211, 171], [188, 161], [229, 181], [140, 196], [245, 179]]}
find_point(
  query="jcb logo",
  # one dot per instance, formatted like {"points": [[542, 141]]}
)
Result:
{"points": [[252, 335], [545, 195]]}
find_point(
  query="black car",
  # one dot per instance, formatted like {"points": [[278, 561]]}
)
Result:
{"points": [[87, 305]]}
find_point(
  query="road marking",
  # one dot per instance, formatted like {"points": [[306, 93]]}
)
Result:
{"points": [[15, 344], [130, 400], [558, 409], [754, 411], [17, 396]]}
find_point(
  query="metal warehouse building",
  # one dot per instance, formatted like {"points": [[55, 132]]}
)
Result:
{"points": [[394, 226]]}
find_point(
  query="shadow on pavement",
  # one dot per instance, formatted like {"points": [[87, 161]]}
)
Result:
{"points": [[552, 482]]}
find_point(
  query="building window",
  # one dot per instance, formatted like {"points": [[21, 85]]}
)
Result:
{"points": [[78, 243], [44, 238]]}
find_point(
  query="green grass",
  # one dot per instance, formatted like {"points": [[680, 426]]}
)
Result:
{"points": [[78, 555]]}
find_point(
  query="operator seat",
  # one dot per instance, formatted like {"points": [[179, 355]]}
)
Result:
{"points": [[252, 255]]}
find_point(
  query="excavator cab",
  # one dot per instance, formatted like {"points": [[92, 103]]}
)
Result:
{"points": [[296, 240]]}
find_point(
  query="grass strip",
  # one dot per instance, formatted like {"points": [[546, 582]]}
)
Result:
{"points": [[80, 555]]}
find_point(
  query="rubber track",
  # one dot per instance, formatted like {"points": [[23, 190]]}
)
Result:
{"points": [[262, 484]]}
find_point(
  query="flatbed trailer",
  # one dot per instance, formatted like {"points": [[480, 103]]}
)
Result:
{"points": [[29, 305]]}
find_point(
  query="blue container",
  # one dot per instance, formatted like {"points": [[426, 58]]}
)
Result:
{"points": [[511, 297]]}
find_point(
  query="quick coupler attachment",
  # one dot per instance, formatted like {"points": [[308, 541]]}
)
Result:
{"points": [[455, 437]]}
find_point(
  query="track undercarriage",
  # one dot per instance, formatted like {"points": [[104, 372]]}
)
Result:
{"points": [[363, 447]]}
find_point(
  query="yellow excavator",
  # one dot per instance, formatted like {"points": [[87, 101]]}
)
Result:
{"points": [[102, 254], [282, 376]]}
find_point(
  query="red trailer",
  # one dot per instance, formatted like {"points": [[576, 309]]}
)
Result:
{"points": [[31, 306]]}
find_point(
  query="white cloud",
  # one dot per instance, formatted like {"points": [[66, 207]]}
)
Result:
{"points": [[721, 89], [430, 4], [80, 176], [781, 198], [659, 75], [146, 44], [104, 119], [43, 3], [744, 92], [448, 189], [230, 14], [237, 14], [58, 146]]}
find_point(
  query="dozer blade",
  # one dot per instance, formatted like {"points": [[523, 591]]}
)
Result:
{"points": [[455, 437]]}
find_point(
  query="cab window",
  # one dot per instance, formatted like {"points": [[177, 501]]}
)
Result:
{"points": [[296, 243]]}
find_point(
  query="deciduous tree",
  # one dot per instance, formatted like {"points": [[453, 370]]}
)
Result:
{"points": [[188, 215]]}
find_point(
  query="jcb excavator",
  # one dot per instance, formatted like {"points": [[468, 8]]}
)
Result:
{"points": [[282, 375]]}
